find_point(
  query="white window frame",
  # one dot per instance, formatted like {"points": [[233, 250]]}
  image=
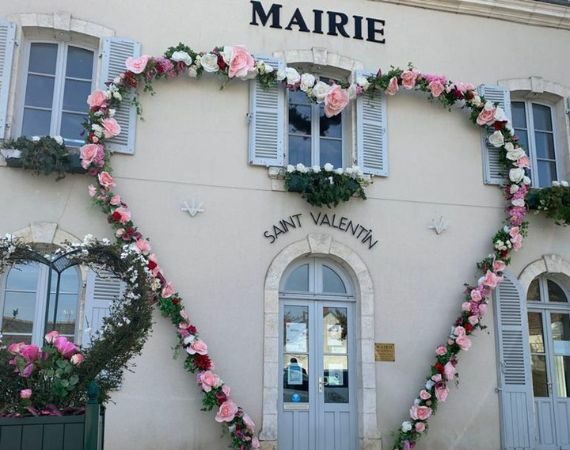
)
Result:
{"points": [[528, 104], [59, 83], [42, 296]]}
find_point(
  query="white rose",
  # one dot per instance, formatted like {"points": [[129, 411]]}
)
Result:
{"points": [[564, 184], [515, 154], [268, 68], [328, 167], [292, 75], [192, 72], [526, 180], [514, 188], [209, 62], [500, 115], [476, 100], [497, 139], [307, 81], [331, 180], [352, 91], [349, 170], [189, 339], [58, 139], [290, 168], [301, 168], [35, 138], [117, 95], [320, 91], [316, 169], [516, 175], [509, 146], [430, 384], [363, 82], [518, 202], [180, 56], [108, 94], [281, 75], [339, 171], [555, 184], [227, 54], [112, 112], [406, 426], [117, 80], [488, 106]]}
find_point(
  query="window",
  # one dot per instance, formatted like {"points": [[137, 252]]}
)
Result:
{"points": [[314, 138], [28, 312], [58, 79], [534, 125]]}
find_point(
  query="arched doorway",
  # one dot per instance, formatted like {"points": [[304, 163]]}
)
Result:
{"points": [[317, 407]]}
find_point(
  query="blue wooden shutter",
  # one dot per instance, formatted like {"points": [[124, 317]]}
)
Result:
{"points": [[493, 171], [266, 121], [515, 378], [371, 133], [7, 42], [102, 288], [114, 52]]}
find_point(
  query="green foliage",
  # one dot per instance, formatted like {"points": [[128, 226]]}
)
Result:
{"points": [[553, 202], [325, 188], [43, 156]]}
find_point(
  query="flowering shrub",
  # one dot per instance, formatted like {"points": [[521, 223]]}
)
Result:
{"points": [[326, 186], [42, 379], [554, 202]]}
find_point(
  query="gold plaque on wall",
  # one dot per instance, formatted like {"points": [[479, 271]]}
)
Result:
{"points": [[385, 352]]}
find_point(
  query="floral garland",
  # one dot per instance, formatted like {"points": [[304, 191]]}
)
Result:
{"points": [[35, 387], [236, 62]]}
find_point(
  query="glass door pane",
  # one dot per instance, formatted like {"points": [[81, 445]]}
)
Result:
{"points": [[335, 354], [538, 355], [560, 328], [295, 354]]}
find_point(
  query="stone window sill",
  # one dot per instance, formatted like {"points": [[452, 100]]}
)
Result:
{"points": [[277, 176]]}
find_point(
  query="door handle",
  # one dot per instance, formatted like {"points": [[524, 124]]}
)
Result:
{"points": [[323, 381]]}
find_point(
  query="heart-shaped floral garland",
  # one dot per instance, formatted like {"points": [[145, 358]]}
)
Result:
{"points": [[124, 330], [236, 62]]}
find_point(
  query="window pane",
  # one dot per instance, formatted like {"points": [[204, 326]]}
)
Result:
{"points": [[542, 117], [300, 119], [296, 329], [519, 115], [300, 150], [36, 122], [43, 58], [330, 127], [539, 380], [299, 279], [8, 339], [545, 145], [560, 325], [534, 291], [546, 173], [75, 95], [535, 333], [332, 282], [295, 378], [72, 128], [523, 139], [19, 312], [336, 378], [299, 98], [335, 330], [555, 293], [331, 152], [66, 313], [39, 91], [68, 281], [79, 63], [562, 370], [23, 277]]}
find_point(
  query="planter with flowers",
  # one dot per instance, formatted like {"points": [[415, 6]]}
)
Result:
{"points": [[327, 185], [554, 202], [42, 155]]}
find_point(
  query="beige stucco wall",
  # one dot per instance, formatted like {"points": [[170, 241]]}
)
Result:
{"points": [[193, 144]]}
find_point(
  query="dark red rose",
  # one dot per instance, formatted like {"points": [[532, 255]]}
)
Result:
{"points": [[499, 125], [221, 63], [116, 216], [468, 327], [152, 265], [203, 362], [221, 397], [191, 329], [458, 94], [175, 301], [469, 95], [439, 367]]}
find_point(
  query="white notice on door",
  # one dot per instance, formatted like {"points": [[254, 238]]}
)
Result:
{"points": [[295, 337]]}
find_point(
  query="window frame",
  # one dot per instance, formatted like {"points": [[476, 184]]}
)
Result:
{"points": [[59, 78], [42, 297], [530, 130]]}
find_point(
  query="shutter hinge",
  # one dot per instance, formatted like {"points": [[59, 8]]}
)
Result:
{"points": [[249, 117], [498, 389]]}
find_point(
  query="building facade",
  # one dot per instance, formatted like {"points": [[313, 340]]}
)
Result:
{"points": [[291, 298]]}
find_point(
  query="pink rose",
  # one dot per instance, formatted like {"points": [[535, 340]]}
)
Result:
{"points": [[167, 291], [459, 331], [449, 371], [208, 380], [92, 190], [464, 343], [486, 116], [240, 63], [137, 65], [441, 392], [498, 265], [27, 371], [226, 390], [15, 348], [142, 246], [91, 153], [197, 346], [255, 443], [491, 280], [517, 241], [30, 353], [436, 377], [115, 200], [65, 347], [523, 161], [436, 88], [466, 306], [121, 215], [227, 411], [96, 99], [392, 86], [514, 231], [110, 127], [25, 393], [420, 427], [250, 424], [335, 100], [409, 78], [106, 180], [51, 336], [183, 313], [482, 309], [420, 412], [77, 359], [441, 350], [473, 320], [425, 395], [476, 295]]}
